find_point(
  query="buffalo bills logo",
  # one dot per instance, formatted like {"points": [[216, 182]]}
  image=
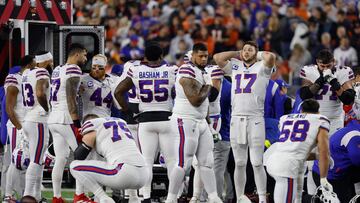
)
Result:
{"points": [[90, 84]]}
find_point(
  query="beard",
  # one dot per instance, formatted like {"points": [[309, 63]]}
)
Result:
{"points": [[250, 60], [49, 68]]}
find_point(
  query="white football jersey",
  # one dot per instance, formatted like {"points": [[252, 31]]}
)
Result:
{"points": [[59, 108], [216, 73], [34, 111], [96, 95], [248, 87], [154, 86], [114, 141], [330, 105], [132, 95], [15, 80], [298, 135], [182, 107]]}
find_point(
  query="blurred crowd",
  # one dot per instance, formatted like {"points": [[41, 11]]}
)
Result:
{"points": [[294, 29]]}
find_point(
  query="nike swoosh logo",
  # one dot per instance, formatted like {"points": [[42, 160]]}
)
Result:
{"points": [[257, 123]]}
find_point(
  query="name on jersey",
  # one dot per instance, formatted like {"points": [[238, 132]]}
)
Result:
{"points": [[296, 116], [154, 75]]}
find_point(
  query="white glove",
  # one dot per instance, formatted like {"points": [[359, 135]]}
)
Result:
{"points": [[328, 76], [207, 79], [216, 135], [331, 163], [324, 182]]}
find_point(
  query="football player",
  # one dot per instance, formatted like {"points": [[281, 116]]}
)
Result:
{"points": [[250, 70], [124, 167], [64, 121], [153, 80], [35, 90], [16, 113], [285, 160], [95, 89], [189, 125]]}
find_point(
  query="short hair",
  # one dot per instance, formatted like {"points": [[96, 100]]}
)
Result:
{"points": [[75, 49], [153, 51], [199, 47], [26, 60], [310, 106], [41, 53], [89, 117], [325, 56], [28, 199], [252, 43]]}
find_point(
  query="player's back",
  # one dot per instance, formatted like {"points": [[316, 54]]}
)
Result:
{"points": [[154, 85], [132, 94], [330, 105], [298, 134], [34, 111], [114, 140], [182, 106], [15, 80], [249, 88], [215, 73], [58, 99], [96, 95]]}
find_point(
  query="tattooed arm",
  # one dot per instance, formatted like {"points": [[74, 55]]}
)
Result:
{"points": [[71, 93], [41, 86], [194, 91]]}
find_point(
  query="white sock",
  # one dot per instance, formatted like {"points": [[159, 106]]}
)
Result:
{"points": [[240, 180], [176, 179], [208, 178], [32, 175], [9, 187], [197, 188], [260, 180], [57, 175], [79, 188]]}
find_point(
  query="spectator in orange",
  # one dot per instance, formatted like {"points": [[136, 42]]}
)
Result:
{"points": [[203, 36]]}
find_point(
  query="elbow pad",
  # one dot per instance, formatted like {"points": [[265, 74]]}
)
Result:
{"points": [[305, 93], [213, 94], [348, 96], [82, 151]]}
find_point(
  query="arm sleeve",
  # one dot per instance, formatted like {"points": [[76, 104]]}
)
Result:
{"points": [[42, 73], [73, 71], [87, 127], [186, 71], [324, 123], [11, 81]]}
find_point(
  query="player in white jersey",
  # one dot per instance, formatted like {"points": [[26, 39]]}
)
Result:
{"points": [[16, 113], [133, 103], [154, 81], [189, 125], [330, 85], [35, 89], [124, 166], [250, 75], [95, 89], [64, 121], [285, 159]]}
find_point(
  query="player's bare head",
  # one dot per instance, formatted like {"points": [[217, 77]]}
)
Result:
{"points": [[249, 52], [310, 106], [28, 199], [90, 117], [77, 53], [153, 51], [200, 55], [98, 66], [44, 59], [325, 59], [28, 61]]}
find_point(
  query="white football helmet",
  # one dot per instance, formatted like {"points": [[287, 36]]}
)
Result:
{"points": [[187, 56], [49, 156], [355, 199], [325, 196], [21, 158]]}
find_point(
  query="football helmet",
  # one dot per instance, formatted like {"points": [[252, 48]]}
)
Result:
{"points": [[323, 195], [21, 158], [355, 199], [49, 156]]}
